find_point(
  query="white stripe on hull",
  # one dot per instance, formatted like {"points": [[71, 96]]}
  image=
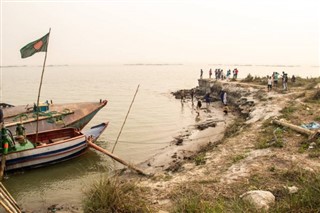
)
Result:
{"points": [[46, 158]]}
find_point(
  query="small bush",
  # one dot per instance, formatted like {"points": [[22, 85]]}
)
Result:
{"points": [[112, 195], [234, 128], [311, 85], [237, 158], [314, 154], [200, 159], [193, 203], [288, 111], [249, 78], [190, 199], [270, 138], [315, 97]]}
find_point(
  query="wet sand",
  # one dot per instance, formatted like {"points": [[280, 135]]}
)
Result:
{"points": [[190, 140]]}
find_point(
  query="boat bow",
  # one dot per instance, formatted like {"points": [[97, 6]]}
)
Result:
{"points": [[95, 131]]}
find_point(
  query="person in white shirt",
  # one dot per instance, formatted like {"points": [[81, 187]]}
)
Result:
{"points": [[269, 83]]}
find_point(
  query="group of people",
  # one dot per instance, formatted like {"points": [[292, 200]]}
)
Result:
{"points": [[207, 98], [219, 74], [274, 78]]}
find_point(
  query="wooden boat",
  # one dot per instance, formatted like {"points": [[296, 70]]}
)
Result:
{"points": [[53, 146], [51, 116]]}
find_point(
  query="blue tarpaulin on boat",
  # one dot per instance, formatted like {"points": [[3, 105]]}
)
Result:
{"points": [[312, 125]]}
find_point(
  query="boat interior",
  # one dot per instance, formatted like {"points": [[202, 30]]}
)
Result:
{"points": [[54, 136]]}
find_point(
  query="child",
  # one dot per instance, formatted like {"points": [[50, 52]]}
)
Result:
{"points": [[199, 104], [226, 109], [269, 83]]}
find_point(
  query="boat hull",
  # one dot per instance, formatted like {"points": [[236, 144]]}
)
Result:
{"points": [[44, 155], [76, 115], [51, 153]]}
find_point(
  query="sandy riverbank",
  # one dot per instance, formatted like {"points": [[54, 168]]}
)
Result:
{"points": [[208, 128]]}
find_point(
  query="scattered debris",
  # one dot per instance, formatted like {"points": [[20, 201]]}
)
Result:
{"points": [[311, 125], [291, 189]]}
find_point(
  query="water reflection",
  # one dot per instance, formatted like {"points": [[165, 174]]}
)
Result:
{"points": [[51, 176]]}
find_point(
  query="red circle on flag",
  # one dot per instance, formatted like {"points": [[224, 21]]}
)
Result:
{"points": [[38, 45]]}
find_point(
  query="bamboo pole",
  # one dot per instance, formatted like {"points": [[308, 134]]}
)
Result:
{"points": [[114, 146], [294, 127], [5, 207], [7, 204], [38, 99], [100, 149], [9, 197]]}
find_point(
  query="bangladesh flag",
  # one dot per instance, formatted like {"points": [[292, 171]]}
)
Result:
{"points": [[39, 45]]}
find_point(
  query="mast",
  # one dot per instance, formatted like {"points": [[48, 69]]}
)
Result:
{"points": [[44, 64]]}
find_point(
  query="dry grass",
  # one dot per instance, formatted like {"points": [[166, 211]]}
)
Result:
{"points": [[234, 128], [110, 194]]}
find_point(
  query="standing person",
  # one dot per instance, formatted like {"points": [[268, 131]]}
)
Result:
{"points": [[192, 94], [269, 83], [210, 73], [182, 95], [201, 73], [228, 74], [275, 78], [236, 73], [207, 98], [216, 73], [284, 80], [225, 98], [221, 95], [293, 79], [199, 104]]}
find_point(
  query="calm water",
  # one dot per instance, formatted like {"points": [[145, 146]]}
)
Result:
{"points": [[155, 117]]}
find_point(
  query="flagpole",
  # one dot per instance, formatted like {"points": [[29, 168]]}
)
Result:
{"points": [[44, 64]]}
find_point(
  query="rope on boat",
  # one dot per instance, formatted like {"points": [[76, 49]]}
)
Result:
{"points": [[20, 117], [53, 116]]}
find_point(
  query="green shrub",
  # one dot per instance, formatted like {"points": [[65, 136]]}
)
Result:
{"points": [[270, 138], [237, 158], [249, 78], [288, 111], [234, 128], [200, 159], [109, 194]]}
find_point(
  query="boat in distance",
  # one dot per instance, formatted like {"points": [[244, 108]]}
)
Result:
{"points": [[52, 146], [51, 115]]}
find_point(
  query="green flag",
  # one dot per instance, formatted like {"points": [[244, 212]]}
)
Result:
{"points": [[39, 45]]}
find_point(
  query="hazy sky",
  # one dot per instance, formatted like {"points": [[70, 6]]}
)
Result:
{"points": [[163, 31]]}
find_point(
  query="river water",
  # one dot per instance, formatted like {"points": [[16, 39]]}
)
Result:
{"points": [[154, 119]]}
